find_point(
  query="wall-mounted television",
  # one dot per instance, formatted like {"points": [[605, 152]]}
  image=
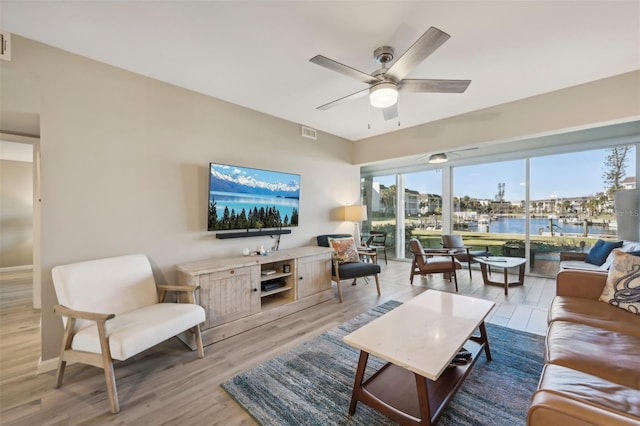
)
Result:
{"points": [[246, 198]]}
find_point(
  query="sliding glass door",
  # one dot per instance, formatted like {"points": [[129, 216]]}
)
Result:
{"points": [[533, 207]]}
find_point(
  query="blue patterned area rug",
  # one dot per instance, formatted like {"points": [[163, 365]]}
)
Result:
{"points": [[311, 384]]}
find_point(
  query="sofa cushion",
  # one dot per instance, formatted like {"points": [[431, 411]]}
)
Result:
{"points": [[581, 265], [622, 288], [600, 251], [610, 355], [132, 332], [594, 313], [566, 396]]}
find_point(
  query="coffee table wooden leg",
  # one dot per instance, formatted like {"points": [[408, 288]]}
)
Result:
{"points": [[423, 399], [483, 269], [506, 281], [485, 339], [357, 383]]}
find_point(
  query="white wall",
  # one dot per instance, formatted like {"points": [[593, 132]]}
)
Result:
{"points": [[125, 168]]}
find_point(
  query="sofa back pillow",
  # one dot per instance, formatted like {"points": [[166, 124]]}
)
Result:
{"points": [[622, 288], [600, 251]]}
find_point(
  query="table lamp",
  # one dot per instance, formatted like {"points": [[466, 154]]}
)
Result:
{"points": [[355, 214]]}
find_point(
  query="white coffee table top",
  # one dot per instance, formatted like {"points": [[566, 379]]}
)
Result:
{"points": [[501, 261], [424, 333]]}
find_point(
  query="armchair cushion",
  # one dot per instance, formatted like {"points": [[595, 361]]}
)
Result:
{"points": [[600, 251], [358, 269], [323, 240], [345, 249], [135, 331], [86, 286], [452, 241]]}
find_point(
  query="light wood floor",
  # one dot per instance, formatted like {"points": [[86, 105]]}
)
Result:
{"points": [[169, 385]]}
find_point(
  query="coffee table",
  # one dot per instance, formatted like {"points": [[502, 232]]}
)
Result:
{"points": [[505, 263], [419, 339]]}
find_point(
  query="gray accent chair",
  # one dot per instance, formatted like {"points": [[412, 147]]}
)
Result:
{"points": [[462, 252]]}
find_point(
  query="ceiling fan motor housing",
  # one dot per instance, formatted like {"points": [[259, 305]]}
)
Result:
{"points": [[383, 55]]}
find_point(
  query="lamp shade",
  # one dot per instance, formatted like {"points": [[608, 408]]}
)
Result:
{"points": [[354, 213], [383, 95]]}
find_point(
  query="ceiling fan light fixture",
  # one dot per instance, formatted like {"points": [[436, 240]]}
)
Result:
{"points": [[438, 158], [383, 95]]}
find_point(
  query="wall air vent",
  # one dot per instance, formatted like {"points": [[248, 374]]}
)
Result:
{"points": [[5, 45], [310, 133]]}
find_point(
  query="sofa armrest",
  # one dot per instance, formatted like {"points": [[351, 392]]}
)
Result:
{"points": [[572, 255], [576, 283]]}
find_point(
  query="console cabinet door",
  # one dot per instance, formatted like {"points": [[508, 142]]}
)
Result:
{"points": [[314, 274], [229, 295]]}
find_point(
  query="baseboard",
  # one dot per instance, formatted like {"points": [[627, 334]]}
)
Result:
{"points": [[48, 365], [16, 268]]}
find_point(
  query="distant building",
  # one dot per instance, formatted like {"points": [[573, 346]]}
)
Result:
{"points": [[430, 202], [629, 183], [411, 202]]}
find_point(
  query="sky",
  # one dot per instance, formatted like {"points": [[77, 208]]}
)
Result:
{"points": [[562, 175]]}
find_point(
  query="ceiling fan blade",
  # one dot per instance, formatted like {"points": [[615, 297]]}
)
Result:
{"points": [[434, 86], [389, 113], [343, 100], [462, 150], [418, 52], [323, 61]]}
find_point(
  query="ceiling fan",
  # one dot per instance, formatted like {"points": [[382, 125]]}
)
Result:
{"points": [[385, 83], [441, 157]]}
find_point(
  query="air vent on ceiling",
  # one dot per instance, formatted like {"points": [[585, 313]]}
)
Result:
{"points": [[310, 133], [5, 45]]}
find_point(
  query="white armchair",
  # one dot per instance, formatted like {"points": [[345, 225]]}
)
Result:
{"points": [[111, 309]]}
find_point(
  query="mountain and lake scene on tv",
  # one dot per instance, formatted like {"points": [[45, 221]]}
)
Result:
{"points": [[247, 198]]}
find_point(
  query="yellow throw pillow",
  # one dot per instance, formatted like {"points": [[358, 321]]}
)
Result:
{"points": [[623, 282], [345, 249]]}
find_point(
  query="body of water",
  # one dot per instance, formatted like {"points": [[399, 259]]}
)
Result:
{"points": [[540, 225]]}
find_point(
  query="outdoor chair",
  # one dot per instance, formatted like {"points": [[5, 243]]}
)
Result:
{"points": [[463, 253], [111, 310], [347, 260], [433, 261], [378, 241]]}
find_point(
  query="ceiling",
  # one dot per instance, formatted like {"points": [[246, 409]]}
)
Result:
{"points": [[256, 53]]}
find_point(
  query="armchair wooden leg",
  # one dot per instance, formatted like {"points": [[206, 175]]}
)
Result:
{"points": [[60, 373], [110, 378], [455, 279], [470, 278], [199, 341], [107, 365], [66, 344], [339, 291], [377, 284]]}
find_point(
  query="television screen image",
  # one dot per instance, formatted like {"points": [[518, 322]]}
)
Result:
{"points": [[246, 198]]}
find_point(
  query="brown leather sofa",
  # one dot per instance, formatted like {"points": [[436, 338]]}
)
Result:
{"points": [[592, 360]]}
